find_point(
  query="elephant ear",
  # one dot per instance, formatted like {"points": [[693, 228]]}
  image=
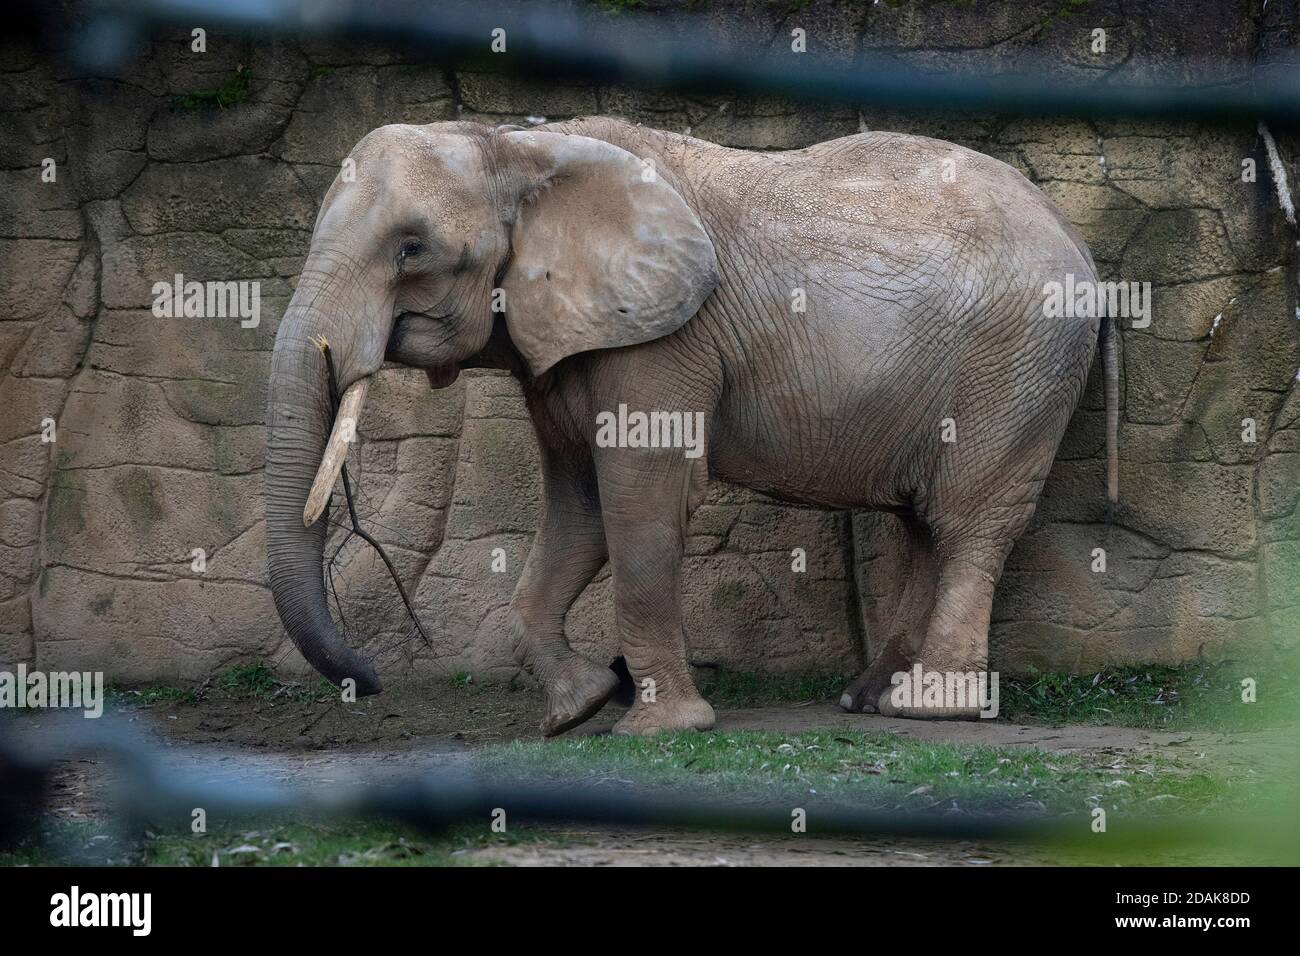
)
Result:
{"points": [[605, 253]]}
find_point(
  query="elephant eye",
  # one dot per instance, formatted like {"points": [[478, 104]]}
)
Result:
{"points": [[411, 247]]}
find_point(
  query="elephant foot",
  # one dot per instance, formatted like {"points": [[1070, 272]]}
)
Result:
{"points": [[887, 708], [861, 696], [574, 692], [646, 719]]}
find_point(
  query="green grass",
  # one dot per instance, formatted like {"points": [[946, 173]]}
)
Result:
{"points": [[1159, 810], [1194, 696], [268, 842], [882, 771], [620, 6], [1186, 697], [877, 771], [248, 680], [741, 689], [252, 681], [73, 843], [1070, 7], [258, 681], [232, 92], [357, 843], [150, 694]]}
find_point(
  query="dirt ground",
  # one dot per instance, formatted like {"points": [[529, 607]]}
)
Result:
{"points": [[461, 717], [406, 731]]}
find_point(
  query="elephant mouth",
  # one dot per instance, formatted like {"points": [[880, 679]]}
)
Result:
{"points": [[343, 433], [414, 338], [440, 376]]}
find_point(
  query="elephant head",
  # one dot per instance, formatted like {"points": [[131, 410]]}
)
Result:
{"points": [[443, 247]]}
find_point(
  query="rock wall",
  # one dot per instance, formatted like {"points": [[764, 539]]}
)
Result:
{"points": [[212, 165]]}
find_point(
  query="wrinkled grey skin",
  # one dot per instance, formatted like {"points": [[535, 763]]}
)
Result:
{"points": [[661, 271]]}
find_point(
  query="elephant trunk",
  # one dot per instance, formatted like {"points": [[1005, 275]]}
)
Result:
{"points": [[299, 452]]}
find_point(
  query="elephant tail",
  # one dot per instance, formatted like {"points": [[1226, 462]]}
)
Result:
{"points": [[1110, 368]]}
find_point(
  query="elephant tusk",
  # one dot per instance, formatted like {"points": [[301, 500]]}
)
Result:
{"points": [[342, 435]]}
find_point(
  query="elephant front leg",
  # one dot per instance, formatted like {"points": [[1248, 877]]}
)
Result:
{"points": [[646, 501], [568, 551]]}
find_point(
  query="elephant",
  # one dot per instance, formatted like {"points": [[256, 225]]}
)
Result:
{"points": [[858, 324]]}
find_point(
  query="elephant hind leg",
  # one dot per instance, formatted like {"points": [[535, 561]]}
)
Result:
{"points": [[956, 645], [900, 619]]}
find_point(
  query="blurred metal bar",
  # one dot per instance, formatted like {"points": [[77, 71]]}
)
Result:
{"points": [[549, 42], [149, 792]]}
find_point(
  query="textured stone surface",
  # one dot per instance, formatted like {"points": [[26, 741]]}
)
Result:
{"points": [[160, 436]]}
